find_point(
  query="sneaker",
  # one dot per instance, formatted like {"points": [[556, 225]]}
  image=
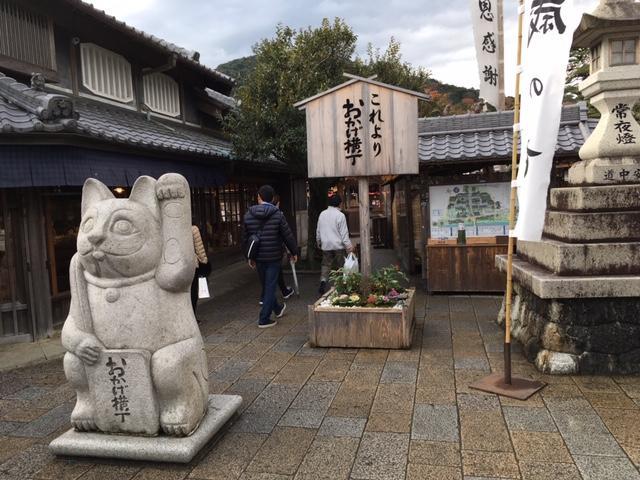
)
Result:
{"points": [[281, 313], [288, 293], [261, 302], [323, 287], [270, 323]]}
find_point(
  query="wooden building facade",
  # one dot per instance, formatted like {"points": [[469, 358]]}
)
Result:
{"points": [[110, 102]]}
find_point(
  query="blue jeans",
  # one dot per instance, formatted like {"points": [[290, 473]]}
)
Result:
{"points": [[269, 272]]}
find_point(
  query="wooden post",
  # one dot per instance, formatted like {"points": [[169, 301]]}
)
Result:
{"points": [[512, 205], [365, 226], [506, 384]]}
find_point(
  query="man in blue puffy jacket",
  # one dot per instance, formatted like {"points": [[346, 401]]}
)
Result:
{"points": [[270, 224]]}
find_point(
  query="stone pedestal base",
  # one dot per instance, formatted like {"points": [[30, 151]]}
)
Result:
{"points": [[157, 449], [577, 335]]}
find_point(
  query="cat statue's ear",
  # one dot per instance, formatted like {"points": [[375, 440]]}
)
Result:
{"points": [[94, 191], [144, 192]]}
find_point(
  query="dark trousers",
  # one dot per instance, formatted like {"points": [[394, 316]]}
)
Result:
{"points": [[268, 273], [281, 285]]}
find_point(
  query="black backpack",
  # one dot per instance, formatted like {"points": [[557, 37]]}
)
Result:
{"points": [[253, 243]]}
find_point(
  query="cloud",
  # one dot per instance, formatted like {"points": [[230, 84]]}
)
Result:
{"points": [[435, 34]]}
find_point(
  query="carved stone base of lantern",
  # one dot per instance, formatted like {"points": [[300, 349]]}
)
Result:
{"points": [[613, 92], [564, 259], [591, 198], [155, 449], [576, 303], [605, 171], [577, 335], [579, 227]]}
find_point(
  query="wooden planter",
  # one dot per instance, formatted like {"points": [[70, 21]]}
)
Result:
{"points": [[362, 327]]}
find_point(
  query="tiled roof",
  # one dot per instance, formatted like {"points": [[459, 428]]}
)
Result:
{"points": [[472, 137], [189, 57], [118, 125], [219, 98], [25, 110]]}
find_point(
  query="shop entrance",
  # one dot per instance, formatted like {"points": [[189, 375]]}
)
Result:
{"points": [[16, 322]]}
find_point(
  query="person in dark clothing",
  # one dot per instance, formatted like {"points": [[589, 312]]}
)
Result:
{"points": [[287, 291], [269, 223]]}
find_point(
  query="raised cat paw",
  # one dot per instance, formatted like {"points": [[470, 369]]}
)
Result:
{"points": [[171, 186]]}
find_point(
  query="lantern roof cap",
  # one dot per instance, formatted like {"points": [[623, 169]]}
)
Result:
{"points": [[622, 15]]}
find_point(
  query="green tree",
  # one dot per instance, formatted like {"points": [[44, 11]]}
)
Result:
{"points": [[291, 66], [577, 70]]}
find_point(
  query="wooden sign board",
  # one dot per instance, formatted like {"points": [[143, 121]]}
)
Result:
{"points": [[362, 128]]}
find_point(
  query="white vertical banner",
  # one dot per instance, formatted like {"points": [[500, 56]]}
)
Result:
{"points": [[485, 18], [548, 27]]}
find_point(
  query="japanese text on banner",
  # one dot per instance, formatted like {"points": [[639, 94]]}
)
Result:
{"points": [[485, 18], [548, 33]]}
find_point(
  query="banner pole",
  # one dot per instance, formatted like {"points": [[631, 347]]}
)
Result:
{"points": [[514, 387], [512, 202]]}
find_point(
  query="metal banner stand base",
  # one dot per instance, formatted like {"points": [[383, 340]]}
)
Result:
{"points": [[505, 384]]}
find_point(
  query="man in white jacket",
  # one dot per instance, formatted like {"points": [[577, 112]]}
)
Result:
{"points": [[332, 236]]}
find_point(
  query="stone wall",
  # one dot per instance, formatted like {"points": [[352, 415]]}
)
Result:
{"points": [[577, 335]]}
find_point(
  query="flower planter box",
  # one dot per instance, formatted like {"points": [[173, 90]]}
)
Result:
{"points": [[362, 327]]}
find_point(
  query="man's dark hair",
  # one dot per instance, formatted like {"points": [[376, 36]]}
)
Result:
{"points": [[335, 200], [266, 193]]}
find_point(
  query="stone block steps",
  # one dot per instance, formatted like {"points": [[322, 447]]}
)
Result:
{"points": [[546, 285], [579, 227], [598, 198], [565, 259]]}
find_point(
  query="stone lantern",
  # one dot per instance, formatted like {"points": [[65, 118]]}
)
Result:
{"points": [[612, 33], [576, 306]]}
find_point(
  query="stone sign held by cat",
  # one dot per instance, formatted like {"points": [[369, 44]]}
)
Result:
{"points": [[134, 351]]}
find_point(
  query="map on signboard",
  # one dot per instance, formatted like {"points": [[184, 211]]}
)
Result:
{"points": [[482, 207]]}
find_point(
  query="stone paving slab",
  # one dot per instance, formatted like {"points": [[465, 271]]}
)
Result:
{"points": [[324, 413]]}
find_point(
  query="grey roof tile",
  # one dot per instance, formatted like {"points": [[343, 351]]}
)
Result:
{"points": [[223, 100], [462, 138], [189, 57], [23, 110]]}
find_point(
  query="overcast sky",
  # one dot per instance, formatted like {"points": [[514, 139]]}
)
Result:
{"points": [[435, 34]]}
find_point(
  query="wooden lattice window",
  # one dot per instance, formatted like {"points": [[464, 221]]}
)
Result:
{"points": [[26, 36], [595, 58], [623, 52], [106, 73], [161, 94]]}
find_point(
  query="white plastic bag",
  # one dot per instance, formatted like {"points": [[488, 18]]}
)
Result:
{"points": [[351, 264], [203, 288]]}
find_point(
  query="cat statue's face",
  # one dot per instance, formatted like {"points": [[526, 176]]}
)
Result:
{"points": [[120, 238]]}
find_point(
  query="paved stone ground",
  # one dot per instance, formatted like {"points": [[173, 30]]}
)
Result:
{"points": [[356, 414]]}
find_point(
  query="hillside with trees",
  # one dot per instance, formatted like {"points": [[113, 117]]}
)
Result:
{"points": [[298, 63], [447, 99]]}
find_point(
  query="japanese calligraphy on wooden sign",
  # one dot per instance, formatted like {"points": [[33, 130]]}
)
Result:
{"points": [[362, 128], [120, 384]]}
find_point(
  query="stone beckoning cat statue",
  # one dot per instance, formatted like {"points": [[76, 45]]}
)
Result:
{"points": [[130, 281]]}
